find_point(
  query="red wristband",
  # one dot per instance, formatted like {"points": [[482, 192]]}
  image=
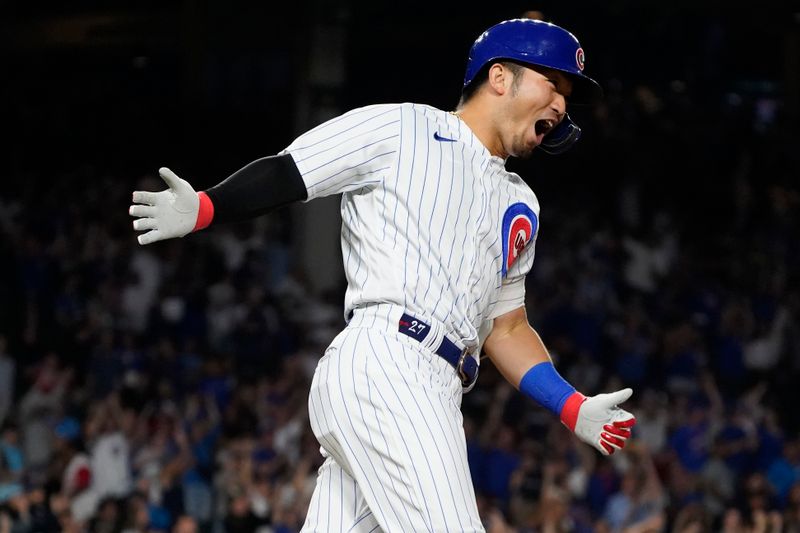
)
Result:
{"points": [[206, 212], [569, 413]]}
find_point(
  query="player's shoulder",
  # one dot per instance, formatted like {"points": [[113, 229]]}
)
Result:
{"points": [[429, 113], [368, 113], [443, 126], [375, 108], [444, 122], [425, 111], [360, 120], [523, 191]]}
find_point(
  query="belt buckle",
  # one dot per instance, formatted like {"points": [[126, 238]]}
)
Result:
{"points": [[465, 379]]}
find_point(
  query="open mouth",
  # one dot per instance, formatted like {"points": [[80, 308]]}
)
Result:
{"points": [[544, 126]]}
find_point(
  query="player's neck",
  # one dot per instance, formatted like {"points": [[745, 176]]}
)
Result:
{"points": [[479, 121]]}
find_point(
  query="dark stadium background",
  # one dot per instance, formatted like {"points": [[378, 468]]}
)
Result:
{"points": [[698, 130], [207, 85]]}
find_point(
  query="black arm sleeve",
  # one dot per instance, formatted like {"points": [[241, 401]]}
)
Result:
{"points": [[258, 188]]}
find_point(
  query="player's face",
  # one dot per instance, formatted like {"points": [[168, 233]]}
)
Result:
{"points": [[533, 107]]}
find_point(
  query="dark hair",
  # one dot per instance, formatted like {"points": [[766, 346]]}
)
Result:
{"points": [[483, 74]]}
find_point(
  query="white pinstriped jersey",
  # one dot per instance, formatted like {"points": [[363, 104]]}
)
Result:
{"points": [[430, 220]]}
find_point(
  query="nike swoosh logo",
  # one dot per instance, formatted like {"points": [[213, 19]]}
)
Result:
{"points": [[442, 139]]}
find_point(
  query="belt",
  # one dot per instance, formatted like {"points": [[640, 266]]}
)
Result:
{"points": [[461, 360]]}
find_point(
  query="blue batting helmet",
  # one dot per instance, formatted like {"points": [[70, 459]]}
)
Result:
{"points": [[534, 42]]}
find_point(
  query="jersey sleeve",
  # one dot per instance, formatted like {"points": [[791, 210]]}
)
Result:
{"points": [[512, 291], [349, 152]]}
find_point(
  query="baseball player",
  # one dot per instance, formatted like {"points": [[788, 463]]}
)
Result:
{"points": [[437, 237]]}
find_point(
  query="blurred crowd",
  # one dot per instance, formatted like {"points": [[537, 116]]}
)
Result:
{"points": [[163, 388]]}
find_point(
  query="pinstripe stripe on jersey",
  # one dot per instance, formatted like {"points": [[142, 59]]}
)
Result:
{"points": [[421, 229], [408, 211], [493, 246], [457, 225], [459, 270], [383, 188], [444, 223], [475, 258], [430, 226], [353, 237]]}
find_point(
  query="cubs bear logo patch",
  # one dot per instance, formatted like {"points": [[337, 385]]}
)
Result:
{"points": [[519, 227]]}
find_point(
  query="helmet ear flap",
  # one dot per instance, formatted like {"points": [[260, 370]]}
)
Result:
{"points": [[562, 137]]}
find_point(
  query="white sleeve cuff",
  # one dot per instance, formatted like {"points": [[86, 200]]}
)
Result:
{"points": [[512, 296]]}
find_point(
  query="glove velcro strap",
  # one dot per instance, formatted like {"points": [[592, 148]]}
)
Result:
{"points": [[569, 413], [545, 385], [205, 214]]}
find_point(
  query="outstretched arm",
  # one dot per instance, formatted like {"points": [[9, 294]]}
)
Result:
{"points": [[258, 188], [519, 354]]}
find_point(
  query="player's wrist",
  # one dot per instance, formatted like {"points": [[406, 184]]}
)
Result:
{"points": [[545, 385], [570, 410], [205, 212]]}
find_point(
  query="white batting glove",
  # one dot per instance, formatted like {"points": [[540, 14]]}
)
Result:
{"points": [[598, 421], [166, 214]]}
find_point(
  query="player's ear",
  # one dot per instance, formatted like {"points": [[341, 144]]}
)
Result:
{"points": [[499, 78]]}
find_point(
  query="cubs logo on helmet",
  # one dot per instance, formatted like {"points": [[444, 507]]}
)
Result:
{"points": [[580, 58], [519, 227]]}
